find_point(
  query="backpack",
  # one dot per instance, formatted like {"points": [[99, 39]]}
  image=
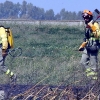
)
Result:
{"points": [[10, 38]]}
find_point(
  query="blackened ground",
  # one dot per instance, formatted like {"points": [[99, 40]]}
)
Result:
{"points": [[42, 92]]}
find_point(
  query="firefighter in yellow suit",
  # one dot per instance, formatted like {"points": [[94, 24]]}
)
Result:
{"points": [[3, 54], [90, 45]]}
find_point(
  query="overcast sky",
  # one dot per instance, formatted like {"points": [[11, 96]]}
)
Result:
{"points": [[57, 5]]}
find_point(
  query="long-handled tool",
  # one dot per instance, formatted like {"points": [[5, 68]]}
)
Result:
{"points": [[81, 48], [98, 12]]}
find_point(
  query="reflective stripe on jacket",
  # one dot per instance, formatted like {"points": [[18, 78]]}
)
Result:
{"points": [[94, 38], [96, 33]]}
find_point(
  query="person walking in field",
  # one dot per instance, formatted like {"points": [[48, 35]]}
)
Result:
{"points": [[90, 45], [3, 54]]}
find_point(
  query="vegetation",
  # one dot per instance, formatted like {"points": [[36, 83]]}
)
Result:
{"points": [[9, 10], [50, 54]]}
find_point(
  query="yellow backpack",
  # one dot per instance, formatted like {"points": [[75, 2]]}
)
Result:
{"points": [[10, 38]]}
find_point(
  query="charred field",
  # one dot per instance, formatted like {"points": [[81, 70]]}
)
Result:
{"points": [[48, 92]]}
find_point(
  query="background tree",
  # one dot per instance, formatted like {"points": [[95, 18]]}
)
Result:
{"points": [[17, 8], [49, 15], [74, 15], [1, 10], [58, 16], [79, 15], [62, 14], [8, 9], [24, 9], [29, 11]]}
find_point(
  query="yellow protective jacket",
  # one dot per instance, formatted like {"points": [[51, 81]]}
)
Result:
{"points": [[94, 34], [95, 30], [3, 38]]}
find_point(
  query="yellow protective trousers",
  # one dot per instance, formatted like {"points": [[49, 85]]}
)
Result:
{"points": [[89, 62], [4, 68]]}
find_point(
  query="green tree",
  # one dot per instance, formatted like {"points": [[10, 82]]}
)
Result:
{"points": [[38, 13], [8, 9], [74, 15], [49, 14], [41, 13], [1, 10], [16, 8], [79, 15], [62, 14], [30, 9], [24, 9], [58, 16]]}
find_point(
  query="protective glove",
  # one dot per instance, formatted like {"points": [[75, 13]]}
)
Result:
{"points": [[4, 52], [90, 24], [81, 48]]}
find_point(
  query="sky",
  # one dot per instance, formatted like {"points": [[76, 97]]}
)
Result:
{"points": [[58, 5]]}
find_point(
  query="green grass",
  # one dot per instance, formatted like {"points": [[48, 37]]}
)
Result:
{"points": [[49, 55]]}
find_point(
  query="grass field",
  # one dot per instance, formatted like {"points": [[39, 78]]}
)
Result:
{"points": [[50, 54], [50, 60]]}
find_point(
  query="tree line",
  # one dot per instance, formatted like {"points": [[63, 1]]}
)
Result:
{"points": [[10, 10]]}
